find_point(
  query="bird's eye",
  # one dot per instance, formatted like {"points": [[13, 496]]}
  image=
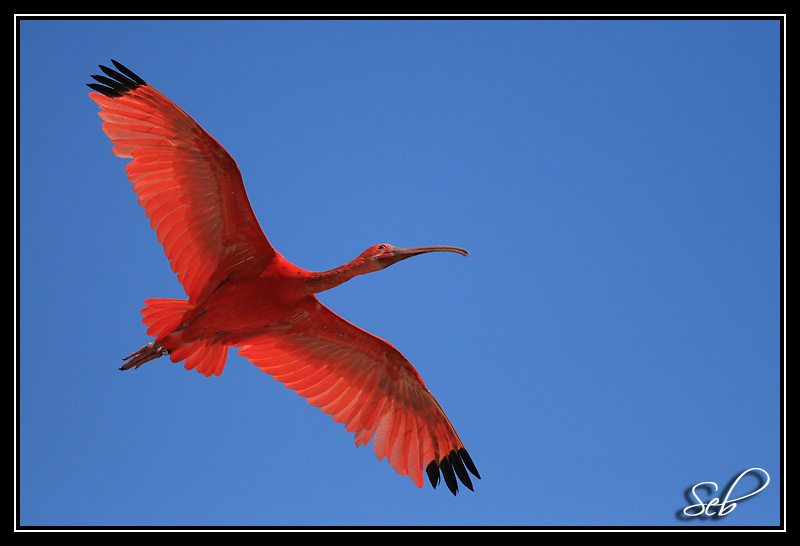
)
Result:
{"points": [[381, 247]]}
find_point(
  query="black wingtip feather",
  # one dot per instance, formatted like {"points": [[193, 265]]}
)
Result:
{"points": [[433, 473], [447, 474], [456, 463], [461, 472], [118, 83], [128, 73], [468, 462]]}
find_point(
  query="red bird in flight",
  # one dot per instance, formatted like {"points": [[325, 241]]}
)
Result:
{"points": [[243, 293]]}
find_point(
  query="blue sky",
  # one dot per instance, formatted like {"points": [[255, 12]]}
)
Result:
{"points": [[612, 340]]}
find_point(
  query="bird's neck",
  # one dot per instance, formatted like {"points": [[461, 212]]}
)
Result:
{"points": [[319, 281]]}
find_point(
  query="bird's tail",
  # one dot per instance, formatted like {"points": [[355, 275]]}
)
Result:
{"points": [[164, 318]]}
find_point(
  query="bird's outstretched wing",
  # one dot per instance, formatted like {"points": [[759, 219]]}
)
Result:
{"points": [[365, 383], [189, 186]]}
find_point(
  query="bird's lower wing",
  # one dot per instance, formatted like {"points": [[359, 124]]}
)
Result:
{"points": [[365, 383]]}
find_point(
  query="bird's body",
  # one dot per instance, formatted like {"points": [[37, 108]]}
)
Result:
{"points": [[243, 293]]}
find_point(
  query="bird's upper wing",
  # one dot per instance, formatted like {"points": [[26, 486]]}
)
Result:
{"points": [[189, 186], [365, 383]]}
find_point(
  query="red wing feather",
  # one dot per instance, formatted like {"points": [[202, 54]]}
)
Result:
{"points": [[189, 186]]}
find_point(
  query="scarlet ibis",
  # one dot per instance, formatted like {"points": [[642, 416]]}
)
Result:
{"points": [[243, 293]]}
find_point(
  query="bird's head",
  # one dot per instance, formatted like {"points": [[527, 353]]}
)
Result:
{"points": [[375, 258], [381, 256]]}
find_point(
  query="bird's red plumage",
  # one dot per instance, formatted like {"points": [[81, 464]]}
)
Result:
{"points": [[243, 293]]}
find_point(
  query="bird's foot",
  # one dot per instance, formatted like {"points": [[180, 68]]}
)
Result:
{"points": [[145, 354]]}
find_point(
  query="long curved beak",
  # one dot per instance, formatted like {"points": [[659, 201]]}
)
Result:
{"points": [[403, 253]]}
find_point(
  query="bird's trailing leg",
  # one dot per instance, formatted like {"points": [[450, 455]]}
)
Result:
{"points": [[145, 354]]}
